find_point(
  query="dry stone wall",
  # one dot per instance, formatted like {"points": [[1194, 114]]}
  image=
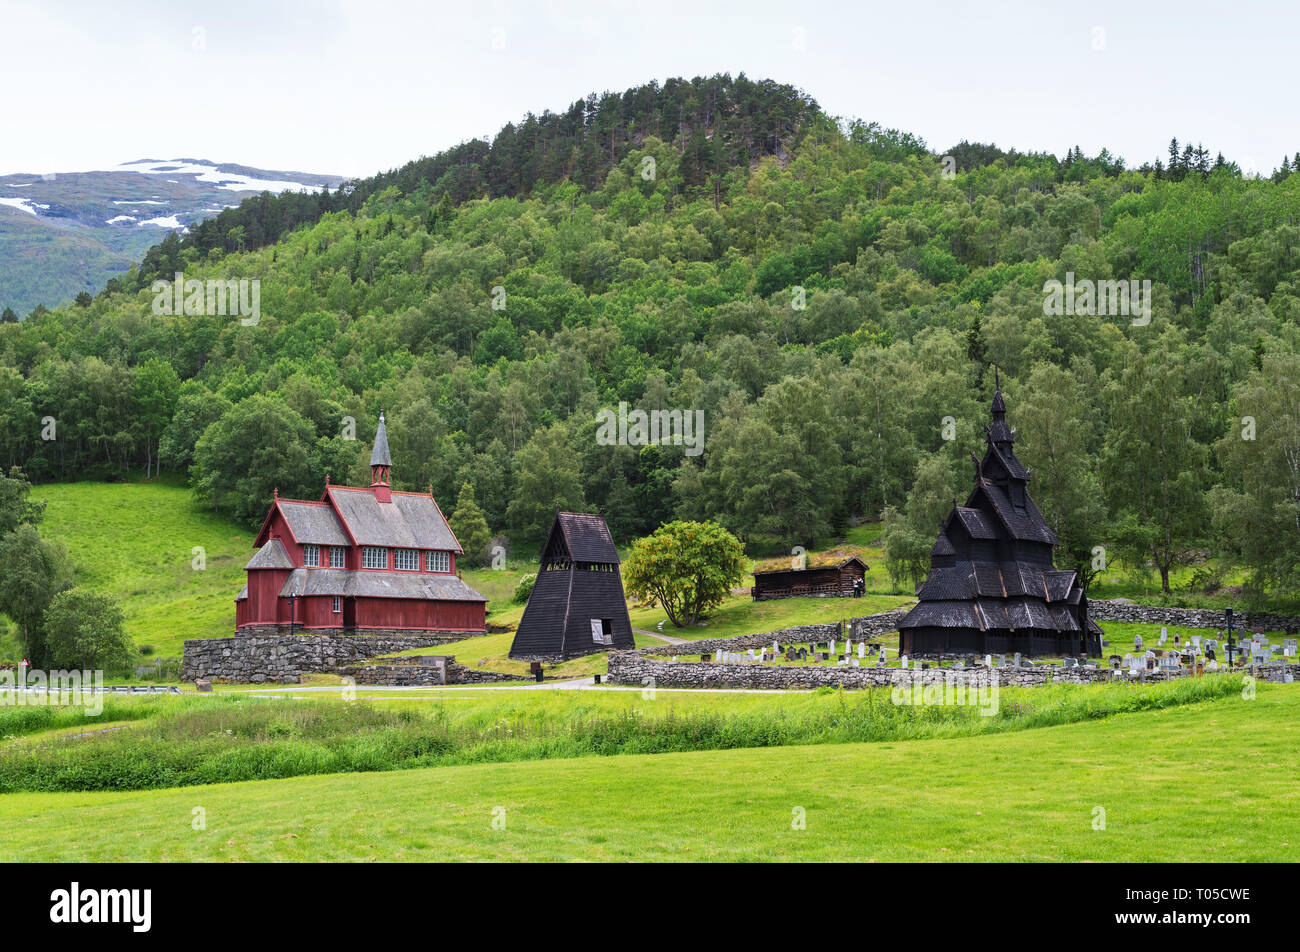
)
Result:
{"points": [[629, 667], [799, 634], [401, 673], [284, 659], [1119, 609]]}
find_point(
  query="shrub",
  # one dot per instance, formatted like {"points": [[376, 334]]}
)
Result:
{"points": [[524, 589]]}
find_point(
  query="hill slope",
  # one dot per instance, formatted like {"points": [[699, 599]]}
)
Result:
{"points": [[136, 541], [829, 302]]}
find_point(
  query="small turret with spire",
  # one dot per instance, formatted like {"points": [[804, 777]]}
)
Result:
{"points": [[381, 463]]}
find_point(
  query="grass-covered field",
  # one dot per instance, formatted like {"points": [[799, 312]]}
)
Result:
{"points": [[1210, 781], [200, 740], [136, 541]]}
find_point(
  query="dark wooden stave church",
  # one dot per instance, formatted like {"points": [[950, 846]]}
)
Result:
{"points": [[577, 604], [993, 587]]}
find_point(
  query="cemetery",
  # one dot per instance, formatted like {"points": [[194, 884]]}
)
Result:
{"points": [[864, 653]]}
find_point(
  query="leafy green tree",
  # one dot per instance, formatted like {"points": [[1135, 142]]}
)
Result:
{"points": [[548, 479], [687, 568], [156, 390], [32, 572], [16, 507], [195, 410], [1256, 517], [84, 630], [471, 528], [1155, 473], [909, 535], [1054, 440], [257, 446]]}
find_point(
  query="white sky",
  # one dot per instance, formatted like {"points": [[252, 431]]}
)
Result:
{"points": [[355, 86]]}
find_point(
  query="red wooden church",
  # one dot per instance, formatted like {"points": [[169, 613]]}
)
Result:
{"points": [[358, 561]]}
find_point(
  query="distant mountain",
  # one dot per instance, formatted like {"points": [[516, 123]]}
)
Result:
{"points": [[67, 232]]}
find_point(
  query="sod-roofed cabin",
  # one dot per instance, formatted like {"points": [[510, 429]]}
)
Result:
{"points": [[838, 573], [577, 604]]}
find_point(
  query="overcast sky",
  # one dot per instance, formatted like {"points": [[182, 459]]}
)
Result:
{"points": [[355, 86]]}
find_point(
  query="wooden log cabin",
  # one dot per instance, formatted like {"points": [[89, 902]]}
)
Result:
{"points": [[826, 575]]}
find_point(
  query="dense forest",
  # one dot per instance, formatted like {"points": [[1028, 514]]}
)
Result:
{"points": [[832, 295]]}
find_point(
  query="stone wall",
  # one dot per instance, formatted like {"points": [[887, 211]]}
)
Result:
{"points": [[1120, 609], [403, 672], [628, 667], [873, 626], [799, 634], [284, 659]]}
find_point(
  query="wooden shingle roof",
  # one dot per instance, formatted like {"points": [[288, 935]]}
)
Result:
{"points": [[378, 585], [587, 537], [312, 522], [270, 556], [410, 521]]}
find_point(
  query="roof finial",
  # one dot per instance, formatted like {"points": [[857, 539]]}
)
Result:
{"points": [[276, 492]]}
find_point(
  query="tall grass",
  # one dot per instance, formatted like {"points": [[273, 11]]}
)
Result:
{"points": [[247, 739]]}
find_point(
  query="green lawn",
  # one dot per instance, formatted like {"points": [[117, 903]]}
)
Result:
{"points": [[1213, 781], [136, 541]]}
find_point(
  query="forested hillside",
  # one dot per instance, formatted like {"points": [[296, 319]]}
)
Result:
{"points": [[827, 293]]}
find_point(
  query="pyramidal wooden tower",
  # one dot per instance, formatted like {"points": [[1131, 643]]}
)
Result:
{"points": [[577, 605], [992, 586]]}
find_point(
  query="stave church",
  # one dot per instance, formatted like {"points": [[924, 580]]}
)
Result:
{"points": [[993, 587]]}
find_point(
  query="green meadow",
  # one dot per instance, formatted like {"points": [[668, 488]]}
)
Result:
{"points": [[1207, 781], [137, 541]]}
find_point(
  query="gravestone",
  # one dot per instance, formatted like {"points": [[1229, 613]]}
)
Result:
{"points": [[203, 686]]}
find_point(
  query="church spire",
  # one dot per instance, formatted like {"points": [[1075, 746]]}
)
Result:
{"points": [[1000, 432], [381, 463]]}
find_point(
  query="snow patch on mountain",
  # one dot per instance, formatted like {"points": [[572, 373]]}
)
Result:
{"points": [[211, 174]]}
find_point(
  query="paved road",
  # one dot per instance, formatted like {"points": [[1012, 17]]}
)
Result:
{"points": [[671, 639], [575, 684]]}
